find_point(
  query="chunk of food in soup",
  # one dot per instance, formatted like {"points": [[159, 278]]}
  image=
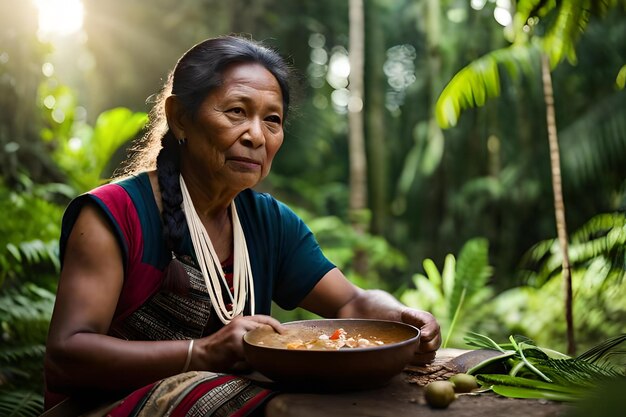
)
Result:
{"points": [[337, 340]]}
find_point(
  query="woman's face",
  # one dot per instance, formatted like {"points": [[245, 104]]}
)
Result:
{"points": [[238, 129]]}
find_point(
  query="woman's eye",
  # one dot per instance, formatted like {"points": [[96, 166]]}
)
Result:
{"points": [[236, 110], [274, 119]]}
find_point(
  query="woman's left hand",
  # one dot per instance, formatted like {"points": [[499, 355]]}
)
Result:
{"points": [[335, 296], [430, 336]]}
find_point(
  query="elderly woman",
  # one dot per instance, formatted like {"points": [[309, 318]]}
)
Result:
{"points": [[166, 269]]}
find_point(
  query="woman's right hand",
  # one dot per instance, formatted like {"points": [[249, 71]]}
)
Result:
{"points": [[223, 350]]}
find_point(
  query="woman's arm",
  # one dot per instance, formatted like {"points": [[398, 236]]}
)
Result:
{"points": [[78, 351], [335, 296], [80, 354]]}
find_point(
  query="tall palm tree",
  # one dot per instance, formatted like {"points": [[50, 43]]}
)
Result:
{"points": [[565, 21]]}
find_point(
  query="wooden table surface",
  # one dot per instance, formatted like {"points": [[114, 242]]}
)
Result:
{"points": [[400, 398]]}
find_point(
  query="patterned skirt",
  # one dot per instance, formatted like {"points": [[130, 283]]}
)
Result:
{"points": [[192, 394]]}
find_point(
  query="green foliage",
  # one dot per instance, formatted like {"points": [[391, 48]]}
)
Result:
{"points": [[458, 291], [441, 205], [24, 318], [29, 243], [601, 240], [31, 237], [530, 371], [605, 399], [562, 23], [20, 403], [597, 253], [479, 81], [559, 41], [620, 80], [340, 242], [596, 142], [81, 151]]}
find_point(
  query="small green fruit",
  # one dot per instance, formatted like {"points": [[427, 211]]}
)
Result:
{"points": [[439, 394], [463, 382]]}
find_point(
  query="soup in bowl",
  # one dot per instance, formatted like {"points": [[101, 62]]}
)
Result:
{"points": [[332, 354]]}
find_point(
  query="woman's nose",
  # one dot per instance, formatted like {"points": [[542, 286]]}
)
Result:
{"points": [[254, 136]]}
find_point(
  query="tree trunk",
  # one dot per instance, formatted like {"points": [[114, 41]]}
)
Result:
{"points": [[375, 121], [559, 207], [358, 163]]}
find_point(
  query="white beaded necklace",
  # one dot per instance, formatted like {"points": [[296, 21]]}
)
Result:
{"points": [[211, 268]]}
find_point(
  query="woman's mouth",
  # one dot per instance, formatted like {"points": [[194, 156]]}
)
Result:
{"points": [[244, 164]]}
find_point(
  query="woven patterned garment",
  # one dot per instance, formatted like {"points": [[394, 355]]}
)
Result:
{"points": [[194, 394], [170, 316], [167, 315]]}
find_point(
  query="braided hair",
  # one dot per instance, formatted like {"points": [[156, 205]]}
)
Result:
{"points": [[197, 73]]}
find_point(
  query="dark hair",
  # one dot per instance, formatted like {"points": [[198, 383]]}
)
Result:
{"points": [[198, 72]]}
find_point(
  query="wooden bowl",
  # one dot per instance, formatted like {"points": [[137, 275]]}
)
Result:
{"points": [[331, 370]]}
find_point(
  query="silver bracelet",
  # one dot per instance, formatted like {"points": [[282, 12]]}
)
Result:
{"points": [[188, 360]]}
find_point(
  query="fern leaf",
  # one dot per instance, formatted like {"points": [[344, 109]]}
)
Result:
{"points": [[20, 403], [28, 352], [472, 272]]}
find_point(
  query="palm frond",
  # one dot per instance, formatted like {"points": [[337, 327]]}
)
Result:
{"points": [[603, 236], [599, 353], [570, 22], [479, 81], [528, 8], [596, 142], [602, 7], [576, 371], [599, 225]]}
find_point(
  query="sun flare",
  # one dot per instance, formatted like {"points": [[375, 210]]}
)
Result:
{"points": [[60, 17]]}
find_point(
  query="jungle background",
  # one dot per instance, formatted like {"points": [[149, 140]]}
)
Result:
{"points": [[452, 208]]}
